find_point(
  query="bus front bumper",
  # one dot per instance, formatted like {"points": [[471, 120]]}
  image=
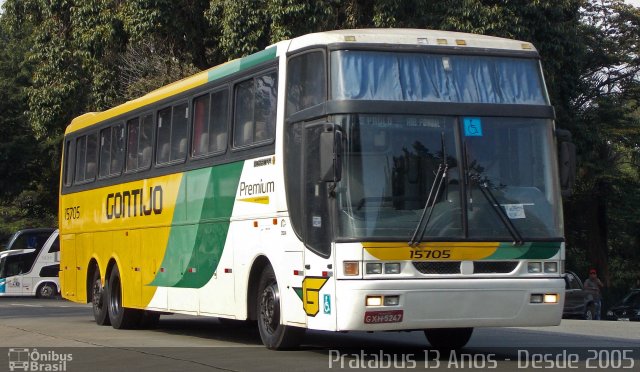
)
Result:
{"points": [[447, 303]]}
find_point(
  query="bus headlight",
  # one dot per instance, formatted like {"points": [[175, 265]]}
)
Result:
{"points": [[374, 268], [534, 267], [551, 267], [392, 268]]}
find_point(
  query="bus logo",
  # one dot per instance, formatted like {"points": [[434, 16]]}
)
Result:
{"points": [[19, 359], [32, 360], [310, 295]]}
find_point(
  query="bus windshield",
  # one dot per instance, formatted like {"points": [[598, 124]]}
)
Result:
{"points": [[394, 76], [390, 164]]}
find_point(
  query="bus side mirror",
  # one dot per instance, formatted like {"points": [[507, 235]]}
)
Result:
{"points": [[331, 154], [567, 161]]}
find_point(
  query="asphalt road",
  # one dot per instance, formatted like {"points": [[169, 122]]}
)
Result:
{"points": [[60, 335]]}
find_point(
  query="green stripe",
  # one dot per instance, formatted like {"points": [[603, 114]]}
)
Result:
{"points": [[538, 250], [242, 64], [207, 197]]}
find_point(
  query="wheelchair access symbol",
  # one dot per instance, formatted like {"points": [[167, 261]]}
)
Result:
{"points": [[327, 304], [472, 127]]}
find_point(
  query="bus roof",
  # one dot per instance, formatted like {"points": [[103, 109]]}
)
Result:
{"points": [[388, 36], [403, 36]]}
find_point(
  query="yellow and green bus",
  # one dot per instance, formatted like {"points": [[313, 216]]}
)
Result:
{"points": [[354, 180]]}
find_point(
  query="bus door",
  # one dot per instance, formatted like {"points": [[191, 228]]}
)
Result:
{"points": [[318, 287], [69, 271]]}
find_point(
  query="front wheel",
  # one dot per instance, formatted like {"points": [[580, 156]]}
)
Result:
{"points": [[274, 335], [448, 338], [120, 317], [46, 290]]}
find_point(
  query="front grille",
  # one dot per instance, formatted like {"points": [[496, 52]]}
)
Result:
{"points": [[442, 267], [494, 267]]}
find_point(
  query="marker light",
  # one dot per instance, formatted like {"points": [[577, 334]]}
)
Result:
{"points": [[374, 268], [351, 268], [374, 300]]}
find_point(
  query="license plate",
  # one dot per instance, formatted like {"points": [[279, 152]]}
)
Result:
{"points": [[377, 317]]}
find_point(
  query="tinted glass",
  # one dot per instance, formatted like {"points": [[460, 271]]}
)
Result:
{"points": [[306, 81]]}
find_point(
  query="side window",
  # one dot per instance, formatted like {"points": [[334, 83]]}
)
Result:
{"points": [[306, 81], [117, 148], [55, 246], [51, 271], [210, 124], [139, 140], [81, 158], [68, 170], [255, 110], [133, 128], [179, 129], [105, 152], [92, 157], [86, 158], [146, 141], [172, 133], [14, 265]]}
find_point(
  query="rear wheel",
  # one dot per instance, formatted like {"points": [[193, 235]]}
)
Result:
{"points": [[274, 335], [46, 290], [448, 338], [120, 317], [99, 300]]}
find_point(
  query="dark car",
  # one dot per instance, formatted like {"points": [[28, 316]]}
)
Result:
{"points": [[578, 302], [628, 309]]}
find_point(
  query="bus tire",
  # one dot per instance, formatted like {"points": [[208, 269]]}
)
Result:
{"points": [[119, 316], [99, 300], [448, 338], [274, 335], [46, 290]]}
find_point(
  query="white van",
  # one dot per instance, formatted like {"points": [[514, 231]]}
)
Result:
{"points": [[32, 270]]}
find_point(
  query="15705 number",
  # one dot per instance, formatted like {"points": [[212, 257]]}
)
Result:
{"points": [[72, 213], [433, 253]]}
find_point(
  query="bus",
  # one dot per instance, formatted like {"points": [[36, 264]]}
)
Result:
{"points": [[30, 264], [350, 180]]}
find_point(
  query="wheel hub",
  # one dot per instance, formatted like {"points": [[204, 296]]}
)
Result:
{"points": [[269, 308]]}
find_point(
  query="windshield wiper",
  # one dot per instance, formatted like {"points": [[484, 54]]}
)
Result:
{"points": [[441, 175], [493, 202]]}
